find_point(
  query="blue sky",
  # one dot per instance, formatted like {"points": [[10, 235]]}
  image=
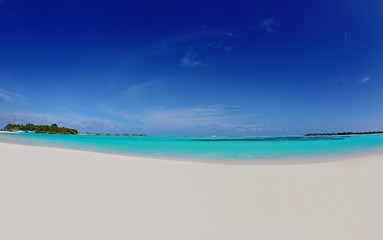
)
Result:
{"points": [[193, 67]]}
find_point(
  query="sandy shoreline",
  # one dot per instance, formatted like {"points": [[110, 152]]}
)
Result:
{"points": [[48, 193]]}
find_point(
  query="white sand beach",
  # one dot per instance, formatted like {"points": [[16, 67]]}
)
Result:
{"points": [[48, 193]]}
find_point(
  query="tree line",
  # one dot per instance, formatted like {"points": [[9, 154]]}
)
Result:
{"points": [[343, 133], [52, 129]]}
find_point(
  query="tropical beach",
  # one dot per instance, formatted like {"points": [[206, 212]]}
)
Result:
{"points": [[51, 193], [191, 120]]}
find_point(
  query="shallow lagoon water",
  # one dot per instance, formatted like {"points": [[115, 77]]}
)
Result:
{"points": [[210, 148]]}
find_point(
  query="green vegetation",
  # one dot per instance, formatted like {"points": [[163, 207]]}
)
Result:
{"points": [[52, 129], [343, 133]]}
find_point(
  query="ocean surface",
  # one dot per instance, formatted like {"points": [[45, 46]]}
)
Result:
{"points": [[210, 148]]}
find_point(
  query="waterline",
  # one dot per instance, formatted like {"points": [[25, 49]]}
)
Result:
{"points": [[210, 148]]}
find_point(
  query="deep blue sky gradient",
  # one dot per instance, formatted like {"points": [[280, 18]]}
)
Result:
{"points": [[193, 68]]}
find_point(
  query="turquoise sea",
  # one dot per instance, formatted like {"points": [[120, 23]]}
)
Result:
{"points": [[210, 148]]}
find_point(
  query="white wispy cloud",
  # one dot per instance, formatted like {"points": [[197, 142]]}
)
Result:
{"points": [[340, 79], [176, 117], [189, 117], [10, 97], [5, 97], [209, 118], [365, 79], [270, 25], [190, 60], [139, 88], [230, 34], [204, 119]]}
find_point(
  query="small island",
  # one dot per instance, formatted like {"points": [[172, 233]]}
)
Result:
{"points": [[52, 129], [55, 129], [343, 133]]}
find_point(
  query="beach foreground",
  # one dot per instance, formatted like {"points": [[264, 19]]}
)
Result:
{"points": [[48, 193]]}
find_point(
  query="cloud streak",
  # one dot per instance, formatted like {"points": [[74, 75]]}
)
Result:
{"points": [[189, 60], [270, 25], [364, 80], [204, 119], [139, 88], [9, 97], [208, 119]]}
